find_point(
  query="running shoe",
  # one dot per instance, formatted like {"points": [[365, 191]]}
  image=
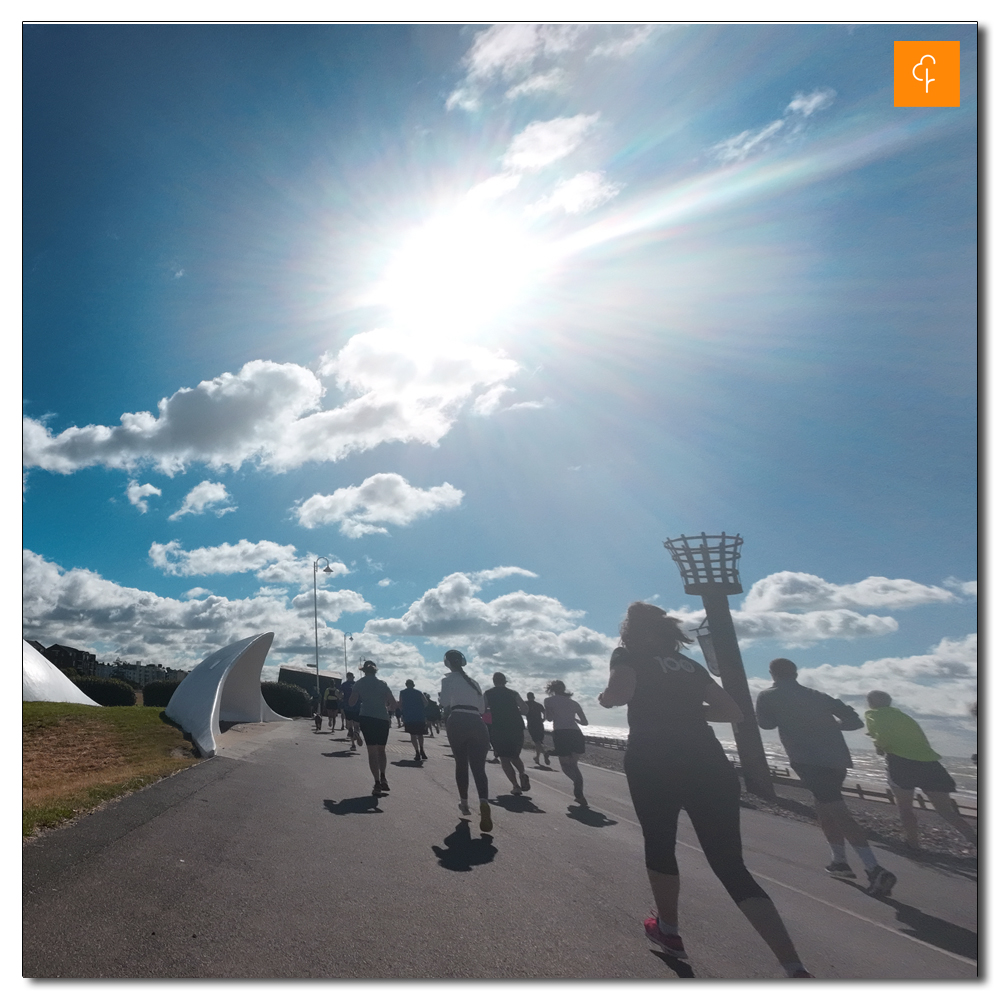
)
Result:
{"points": [[353, 747], [546, 758], [417, 757], [377, 790], [383, 784], [583, 802], [840, 869], [423, 756], [880, 881], [463, 808], [525, 783], [485, 819], [361, 742], [671, 944], [516, 791]]}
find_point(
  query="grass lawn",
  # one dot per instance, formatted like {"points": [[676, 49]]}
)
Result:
{"points": [[78, 756]]}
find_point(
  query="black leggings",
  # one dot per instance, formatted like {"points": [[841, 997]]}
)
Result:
{"points": [[704, 784], [469, 743]]}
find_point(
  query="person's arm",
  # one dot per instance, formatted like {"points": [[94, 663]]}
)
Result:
{"points": [[580, 715], [522, 705], [390, 702], [765, 717], [721, 705], [621, 687], [871, 728], [354, 698], [847, 718], [548, 711]]}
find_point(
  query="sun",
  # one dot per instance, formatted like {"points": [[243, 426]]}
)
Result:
{"points": [[458, 271]]}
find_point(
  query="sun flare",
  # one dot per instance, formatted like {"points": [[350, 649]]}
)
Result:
{"points": [[457, 272]]}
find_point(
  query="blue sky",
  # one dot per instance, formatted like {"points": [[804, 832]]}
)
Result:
{"points": [[484, 315]]}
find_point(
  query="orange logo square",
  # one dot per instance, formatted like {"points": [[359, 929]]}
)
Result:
{"points": [[925, 74]]}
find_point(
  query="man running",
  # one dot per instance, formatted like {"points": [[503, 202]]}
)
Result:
{"points": [[375, 702], [411, 705], [331, 704], [432, 713], [351, 714], [810, 725], [912, 763]]}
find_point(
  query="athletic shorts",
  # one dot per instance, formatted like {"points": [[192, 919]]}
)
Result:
{"points": [[507, 744], [824, 782], [537, 734], [352, 714], [928, 775], [567, 741], [375, 731], [415, 728]]}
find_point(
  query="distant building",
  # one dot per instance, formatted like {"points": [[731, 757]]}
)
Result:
{"points": [[66, 658], [307, 678]]}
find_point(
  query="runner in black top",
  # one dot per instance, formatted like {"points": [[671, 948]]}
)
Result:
{"points": [[674, 762], [536, 726], [506, 707]]}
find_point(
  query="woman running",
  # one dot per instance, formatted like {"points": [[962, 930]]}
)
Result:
{"points": [[351, 715], [674, 762], [567, 739], [462, 703], [506, 707], [536, 726], [375, 702]]}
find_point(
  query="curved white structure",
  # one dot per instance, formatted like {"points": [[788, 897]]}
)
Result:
{"points": [[42, 680], [223, 687]]}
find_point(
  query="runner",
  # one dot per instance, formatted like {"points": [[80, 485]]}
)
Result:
{"points": [[375, 701], [462, 703], [810, 725], [433, 714], [331, 704], [411, 704], [506, 707], [351, 714], [911, 764], [567, 739], [536, 726], [674, 762]]}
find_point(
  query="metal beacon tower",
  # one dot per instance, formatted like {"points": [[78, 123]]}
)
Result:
{"points": [[709, 568]]}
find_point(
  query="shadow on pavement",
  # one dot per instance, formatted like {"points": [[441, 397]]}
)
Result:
{"points": [[542, 767], [589, 817], [517, 804], [338, 753], [683, 970], [933, 930], [461, 852], [407, 763], [345, 807]]}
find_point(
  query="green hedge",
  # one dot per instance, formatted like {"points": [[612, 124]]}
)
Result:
{"points": [[287, 699], [106, 690], [159, 693]]}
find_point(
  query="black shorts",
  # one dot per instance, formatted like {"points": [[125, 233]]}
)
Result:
{"points": [[507, 744], [375, 731], [567, 741], [824, 782], [352, 714], [415, 728], [537, 734], [928, 775]]}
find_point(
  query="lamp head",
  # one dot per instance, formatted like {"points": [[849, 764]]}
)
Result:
{"points": [[326, 569]]}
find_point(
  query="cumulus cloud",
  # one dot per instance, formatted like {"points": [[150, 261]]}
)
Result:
{"points": [[385, 582], [788, 591], [385, 498], [968, 588], [578, 194], [396, 390], [137, 494], [540, 82], [939, 683], [80, 608], [543, 143], [738, 147], [205, 496], [268, 561]]}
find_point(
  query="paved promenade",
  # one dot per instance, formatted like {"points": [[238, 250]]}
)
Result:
{"points": [[271, 860]]}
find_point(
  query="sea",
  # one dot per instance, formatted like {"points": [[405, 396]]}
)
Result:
{"points": [[868, 770]]}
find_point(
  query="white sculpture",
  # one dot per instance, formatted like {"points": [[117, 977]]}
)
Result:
{"points": [[223, 687], [42, 680]]}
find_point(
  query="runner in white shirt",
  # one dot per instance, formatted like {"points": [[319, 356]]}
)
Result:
{"points": [[567, 739]]}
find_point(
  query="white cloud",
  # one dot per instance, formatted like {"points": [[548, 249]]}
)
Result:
{"points": [[205, 496], [80, 608], [499, 573], [969, 588], [788, 591], [385, 582], [385, 498], [509, 50], [739, 147], [489, 401], [136, 494], [807, 104], [540, 82], [269, 561], [195, 592], [397, 390], [936, 684], [493, 188], [542, 143], [578, 194], [621, 47]]}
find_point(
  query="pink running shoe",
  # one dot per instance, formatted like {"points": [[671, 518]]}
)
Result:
{"points": [[671, 944]]}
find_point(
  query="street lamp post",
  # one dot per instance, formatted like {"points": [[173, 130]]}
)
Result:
{"points": [[347, 635], [326, 569], [708, 565]]}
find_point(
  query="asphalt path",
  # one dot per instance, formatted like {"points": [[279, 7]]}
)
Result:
{"points": [[272, 860]]}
